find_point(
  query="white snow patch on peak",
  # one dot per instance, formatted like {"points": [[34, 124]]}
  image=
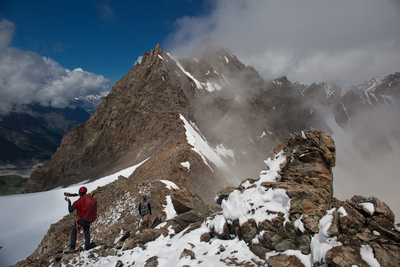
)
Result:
{"points": [[198, 84], [222, 151], [271, 174], [210, 86], [342, 211], [368, 207], [169, 208], [256, 203], [186, 164], [201, 147], [303, 135], [367, 254], [170, 185], [298, 224], [322, 242]]}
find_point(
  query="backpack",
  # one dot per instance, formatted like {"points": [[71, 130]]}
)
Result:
{"points": [[89, 208], [144, 208]]}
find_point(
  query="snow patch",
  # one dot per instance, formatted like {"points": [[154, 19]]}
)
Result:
{"points": [[271, 175], [342, 211], [322, 242], [368, 207], [198, 84], [169, 208], [367, 254], [186, 164], [298, 224], [222, 151], [170, 185], [256, 203], [201, 147]]}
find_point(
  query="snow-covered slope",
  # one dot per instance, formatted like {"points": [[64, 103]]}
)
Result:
{"points": [[30, 216]]}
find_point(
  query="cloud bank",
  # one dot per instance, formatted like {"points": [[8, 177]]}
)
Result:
{"points": [[26, 77], [344, 42]]}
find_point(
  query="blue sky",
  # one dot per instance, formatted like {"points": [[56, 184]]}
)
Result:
{"points": [[102, 37], [53, 50]]}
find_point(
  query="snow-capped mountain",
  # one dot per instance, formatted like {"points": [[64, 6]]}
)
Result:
{"points": [[206, 122], [89, 102]]}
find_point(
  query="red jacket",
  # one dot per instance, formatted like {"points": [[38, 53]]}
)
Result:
{"points": [[78, 206]]}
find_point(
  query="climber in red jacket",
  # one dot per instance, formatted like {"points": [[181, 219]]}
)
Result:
{"points": [[80, 222]]}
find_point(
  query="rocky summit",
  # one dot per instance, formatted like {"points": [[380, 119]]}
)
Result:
{"points": [[286, 217]]}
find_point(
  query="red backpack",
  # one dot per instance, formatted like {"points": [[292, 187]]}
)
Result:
{"points": [[89, 208]]}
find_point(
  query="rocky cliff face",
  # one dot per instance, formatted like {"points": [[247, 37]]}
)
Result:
{"points": [[285, 217]]}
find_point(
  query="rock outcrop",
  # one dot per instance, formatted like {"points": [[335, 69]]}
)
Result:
{"points": [[306, 176]]}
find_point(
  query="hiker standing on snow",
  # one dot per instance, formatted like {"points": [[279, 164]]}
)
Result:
{"points": [[145, 211], [82, 212]]}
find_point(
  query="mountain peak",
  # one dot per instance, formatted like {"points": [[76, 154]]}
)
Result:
{"points": [[151, 56]]}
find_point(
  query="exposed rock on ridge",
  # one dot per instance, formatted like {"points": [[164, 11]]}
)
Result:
{"points": [[306, 176]]}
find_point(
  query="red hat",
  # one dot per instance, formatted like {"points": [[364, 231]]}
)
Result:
{"points": [[83, 190]]}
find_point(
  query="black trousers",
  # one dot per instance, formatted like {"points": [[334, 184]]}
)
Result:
{"points": [[86, 228]]}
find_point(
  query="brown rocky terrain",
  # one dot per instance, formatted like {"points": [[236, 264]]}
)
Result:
{"points": [[306, 177]]}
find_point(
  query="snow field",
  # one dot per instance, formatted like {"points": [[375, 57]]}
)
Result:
{"points": [[27, 217]]}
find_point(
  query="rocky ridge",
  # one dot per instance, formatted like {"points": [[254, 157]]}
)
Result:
{"points": [[287, 217], [306, 176]]}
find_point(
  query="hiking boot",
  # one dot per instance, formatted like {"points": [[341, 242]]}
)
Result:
{"points": [[70, 250], [91, 245]]}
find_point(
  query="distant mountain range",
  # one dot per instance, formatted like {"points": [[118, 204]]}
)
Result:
{"points": [[33, 133]]}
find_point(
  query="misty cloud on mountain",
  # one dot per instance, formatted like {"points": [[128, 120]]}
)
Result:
{"points": [[308, 41], [26, 77]]}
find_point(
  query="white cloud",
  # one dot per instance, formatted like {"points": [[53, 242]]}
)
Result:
{"points": [[310, 40], [27, 77]]}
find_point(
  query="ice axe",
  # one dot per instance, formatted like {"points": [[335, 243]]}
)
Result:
{"points": [[67, 194]]}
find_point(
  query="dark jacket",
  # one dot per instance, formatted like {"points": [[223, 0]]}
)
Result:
{"points": [[143, 210]]}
